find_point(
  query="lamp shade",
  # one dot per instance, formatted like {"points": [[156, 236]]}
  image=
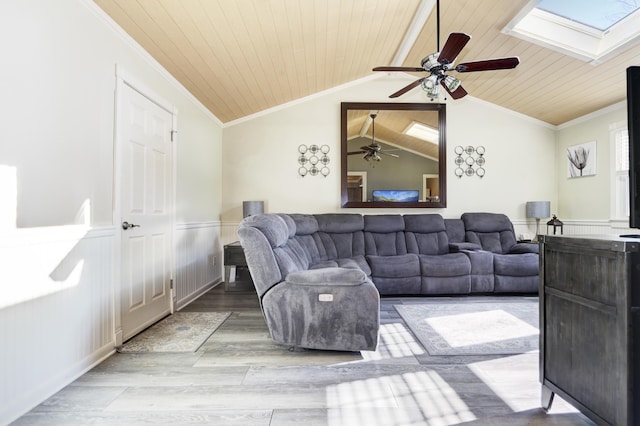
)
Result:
{"points": [[250, 208], [538, 209]]}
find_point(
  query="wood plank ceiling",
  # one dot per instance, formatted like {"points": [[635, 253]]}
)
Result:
{"points": [[239, 57]]}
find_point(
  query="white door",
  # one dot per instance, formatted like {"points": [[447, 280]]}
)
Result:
{"points": [[145, 131]]}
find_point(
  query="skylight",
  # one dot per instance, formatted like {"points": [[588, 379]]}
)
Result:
{"points": [[421, 131], [599, 14], [590, 30]]}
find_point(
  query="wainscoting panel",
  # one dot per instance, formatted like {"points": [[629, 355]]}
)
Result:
{"points": [[199, 260], [56, 311], [573, 227]]}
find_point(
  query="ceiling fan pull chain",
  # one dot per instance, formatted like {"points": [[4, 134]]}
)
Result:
{"points": [[438, 25]]}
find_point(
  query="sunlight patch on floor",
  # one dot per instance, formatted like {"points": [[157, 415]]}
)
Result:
{"points": [[422, 397], [471, 329], [395, 341], [514, 381]]}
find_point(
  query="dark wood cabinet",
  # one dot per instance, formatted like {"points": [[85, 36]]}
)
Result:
{"points": [[590, 325]]}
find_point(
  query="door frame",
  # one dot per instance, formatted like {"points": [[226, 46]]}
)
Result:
{"points": [[424, 184], [363, 176], [123, 79]]}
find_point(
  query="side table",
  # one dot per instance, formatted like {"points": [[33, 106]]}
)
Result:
{"points": [[236, 272]]}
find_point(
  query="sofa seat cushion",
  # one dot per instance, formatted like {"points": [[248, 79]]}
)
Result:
{"points": [[516, 265], [520, 248], [324, 264], [395, 274], [355, 262], [402, 266], [456, 247], [445, 265]]}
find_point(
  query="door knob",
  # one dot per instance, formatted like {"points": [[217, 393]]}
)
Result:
{"points": [[127, 225]]}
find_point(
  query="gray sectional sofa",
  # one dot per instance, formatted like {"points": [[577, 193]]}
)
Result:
{"points": [[319, 277]]}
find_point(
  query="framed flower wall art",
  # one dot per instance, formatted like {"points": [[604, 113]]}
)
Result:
{"points": [[581, 160]]}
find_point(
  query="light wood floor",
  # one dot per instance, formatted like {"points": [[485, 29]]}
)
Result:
{"points": [[240, 377]]}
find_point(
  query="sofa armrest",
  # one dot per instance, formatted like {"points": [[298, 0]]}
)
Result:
{"points": [[458, 247], [327, 276], [520, 248]]}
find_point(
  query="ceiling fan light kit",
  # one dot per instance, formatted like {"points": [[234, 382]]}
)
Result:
{"points": [[439, 63]]}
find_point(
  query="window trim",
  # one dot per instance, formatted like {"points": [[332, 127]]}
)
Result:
{"points": [[616, 195]]}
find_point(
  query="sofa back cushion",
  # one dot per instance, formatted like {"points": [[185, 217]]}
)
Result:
{"points": [[307, 236], [341, 234], [426, 234], [384, 235], [455, 230], [493, 231], [292, 255]]}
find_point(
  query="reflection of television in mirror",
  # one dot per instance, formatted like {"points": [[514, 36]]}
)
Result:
{"points": [[396, 196], [633, 123]]}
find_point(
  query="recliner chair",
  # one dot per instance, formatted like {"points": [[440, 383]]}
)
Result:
{"points": [[515, 265], [335, 307]]}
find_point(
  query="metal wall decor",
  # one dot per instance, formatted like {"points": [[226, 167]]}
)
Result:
{"points": [[469, 161], [313, 160]]}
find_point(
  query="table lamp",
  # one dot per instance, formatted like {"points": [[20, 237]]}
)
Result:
{"points": [[538, 210], [250, 208]]}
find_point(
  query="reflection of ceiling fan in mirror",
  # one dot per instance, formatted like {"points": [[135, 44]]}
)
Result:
{"points": [[439, 63], [373, 150]]}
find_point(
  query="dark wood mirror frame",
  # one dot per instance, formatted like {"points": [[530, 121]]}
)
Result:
{"points": [[442, 150]]}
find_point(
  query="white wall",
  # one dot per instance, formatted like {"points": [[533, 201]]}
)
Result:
{"points": [[520, 159], [58, 82], [57, 233], [261, 155], [587, 198]]}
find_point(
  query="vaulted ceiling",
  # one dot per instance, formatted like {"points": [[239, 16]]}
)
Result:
{"points": [[240, 57]]}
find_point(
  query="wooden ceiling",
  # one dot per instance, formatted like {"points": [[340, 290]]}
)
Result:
{"points": [[390, 126], [240, 57]]}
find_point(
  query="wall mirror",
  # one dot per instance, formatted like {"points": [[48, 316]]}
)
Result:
{"points": [[393, 155]]}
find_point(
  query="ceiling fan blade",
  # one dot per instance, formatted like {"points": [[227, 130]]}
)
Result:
{"points": [[489, 65], [407, 69], [452, 48], [405, 89], [355, 152], [390, 155], [455, 94]]}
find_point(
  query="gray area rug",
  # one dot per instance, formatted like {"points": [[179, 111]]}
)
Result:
{"points": [[474, 328], [180, 332]]}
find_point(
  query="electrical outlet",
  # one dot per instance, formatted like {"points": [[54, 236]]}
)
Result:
{"points": [[214, 260]]}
